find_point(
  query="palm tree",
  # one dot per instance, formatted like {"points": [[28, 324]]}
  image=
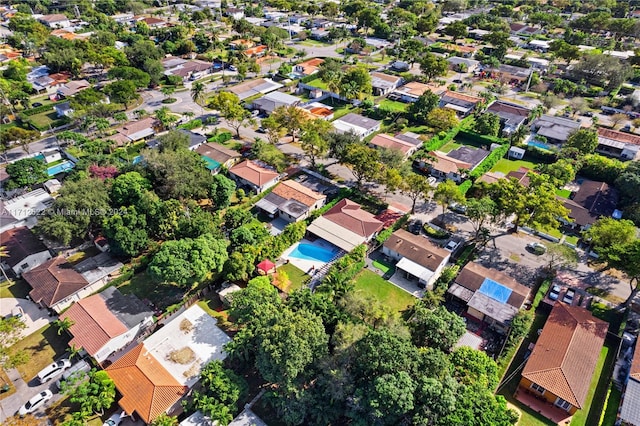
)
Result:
{"points": [[74, 350], [63, 324], [517, 136], [333, 84], [4, 253], [197, 93], [167, 91]]}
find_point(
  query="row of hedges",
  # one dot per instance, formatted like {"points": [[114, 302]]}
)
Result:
{"points": [[490, 161], [598, 167], [40, 109], [384, 235], [442, 138], [465, 186], [346, 268], [190, 125], [52, 125], [479, 139]]}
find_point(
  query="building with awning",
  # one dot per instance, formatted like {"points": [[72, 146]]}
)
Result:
{"points": [[346, 225], [417, 257], [490, 295]]}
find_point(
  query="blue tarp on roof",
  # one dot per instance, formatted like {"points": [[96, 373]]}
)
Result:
{"points": [[495, 290]]}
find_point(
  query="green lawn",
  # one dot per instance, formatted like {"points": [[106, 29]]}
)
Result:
{"points": [[43, 347], [383, 266], [590, 414], [16, 288], [450, 146], [297, 277], [393, 106], [162, 295], [572, 239], [564, 193], [46, 119], [505, 166], [314, 43], [374, 285], [318, 83], [609, 416]]}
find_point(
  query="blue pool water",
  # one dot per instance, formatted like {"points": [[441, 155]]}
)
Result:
{"points": [[59, 168], [540, 145], [313, 253]]}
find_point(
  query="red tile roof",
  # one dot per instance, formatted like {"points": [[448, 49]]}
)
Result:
{"points": [[53, 281], [252, 172], [93, 324], [390, 142], [350, 215], [619, 136], [566, 354], [146, 386]]}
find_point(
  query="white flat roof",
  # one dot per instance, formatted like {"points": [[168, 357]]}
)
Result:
{"points": [[335, 234], [414, 269], [204, 338]]}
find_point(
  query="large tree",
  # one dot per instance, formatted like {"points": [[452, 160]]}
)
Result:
{"points": [[10, 333], [291, 118], [433, 66], [122, 91], [363, 162], [26, 172], [415, 187], [435, 328], [127, 232], [481, 211], [446, 193], [607, 233], [419, 110], [93, 392], [442, 119], [230, 107], [178, 174], [584, 140], [487, 124], [188, 260], [314, 139], [602, 70]]}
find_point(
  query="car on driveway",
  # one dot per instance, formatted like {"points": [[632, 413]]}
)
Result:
{"points": [[36, 104], [115, 419], [16, 312], [52, 370], [415, 227], [537, 248], [568, 297], [554, 293], [35, 403]]}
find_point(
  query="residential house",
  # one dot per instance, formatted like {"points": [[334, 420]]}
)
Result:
{"points": [[491, 296], [63, 109], [195, 139], [241, 44], [71, 88], [309, 67], [523, 29], [134, 131], [592, 200], [564, 358], [235, 13], [318, 110], [291, 201], [521, 175], [153, 377], [462, 104], [555, 129], [271, 101], [356, 123], [257, 177], [400, 66], [469, 155], [383, 84], [512, 116], [385, 141], [346, 225], [539, 45], [255, 87], [629, 410], [56, 284], [460, 50], [411, 91], [455, 164], [218, 156], [458, 63], [105, 323], [256, 51], [620, 145], [24, 250], [511, 74], [189, 70], [319, 34], [22, 210], [56, 20], [417, 257], [153, 22], [478, 34]]}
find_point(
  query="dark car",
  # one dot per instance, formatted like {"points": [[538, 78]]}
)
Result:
{"points": [[36, 104], [458, 81], [588, 114], [415, 227]]}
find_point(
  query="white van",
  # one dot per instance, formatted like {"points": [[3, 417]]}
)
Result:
{"points": [[79, 368]]}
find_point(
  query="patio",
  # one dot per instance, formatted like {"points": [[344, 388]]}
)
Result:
{"points": [[549, 411]]}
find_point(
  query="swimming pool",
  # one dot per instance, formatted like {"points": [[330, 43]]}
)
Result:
{"points": [[59, 168], [540, 145], [312, 252]]}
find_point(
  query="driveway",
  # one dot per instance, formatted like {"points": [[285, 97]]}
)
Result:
{"points": [[34, 317], [24, 391]]}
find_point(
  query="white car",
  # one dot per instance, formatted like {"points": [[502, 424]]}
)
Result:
{"points": [[114, 419], [52, 370], [36, 402]]}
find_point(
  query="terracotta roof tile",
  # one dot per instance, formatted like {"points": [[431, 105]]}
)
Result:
{"points": [[446, 164], [93, 324], [146, 386], [53, 281], [292, 190], [461, 96], [251, 172], [350, 215], [634, 371], [20, 243], [388, 141], [566, 354], [619, 136]]}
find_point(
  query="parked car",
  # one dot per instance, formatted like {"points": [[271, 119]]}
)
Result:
{"points": [[52, 370], [36, 104], [554, 293], [458, 208], [568, 297], [537, 248], [16, 312], [415, 227], [77, 369], [587, 114], [261, 130], [114, 419], [233, 68], [35, 402]]}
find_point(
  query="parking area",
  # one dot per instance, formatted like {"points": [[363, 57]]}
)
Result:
{"points": [[34, 317]]}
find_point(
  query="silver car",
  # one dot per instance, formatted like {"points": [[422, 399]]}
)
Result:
{"points": [[52, 370]]}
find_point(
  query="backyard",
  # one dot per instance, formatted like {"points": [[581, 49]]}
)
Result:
{"points": [[393, 106], [505, 166], [382, 290], [593, 405], [43, 347], [161, 295], [297, 277]]}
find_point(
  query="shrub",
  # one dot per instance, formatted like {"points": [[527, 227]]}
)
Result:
{"points": [[220, 137], [598, 167], [489, 162], [190, 125], [39, 110], [435, 233], [465, 186]]}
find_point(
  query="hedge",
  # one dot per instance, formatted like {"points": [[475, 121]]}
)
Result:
{"points": [[221, 137], [465, 187], [598, 167], [489, 161], [480, 139], [442, 138], [40, 109], [308, 78], [347, 266], [384, 235], [190, 125]]}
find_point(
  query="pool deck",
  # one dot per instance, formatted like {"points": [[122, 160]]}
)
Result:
{"points": [[303, 264]]}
